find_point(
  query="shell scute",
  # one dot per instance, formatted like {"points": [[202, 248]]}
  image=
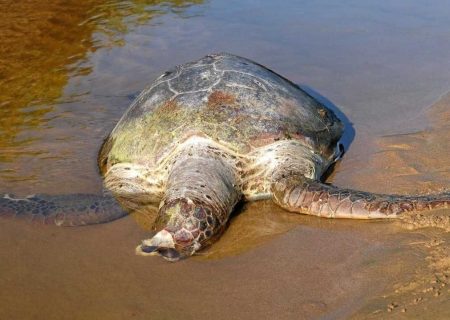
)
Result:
{"points": [[228, 99], [195, 78]]}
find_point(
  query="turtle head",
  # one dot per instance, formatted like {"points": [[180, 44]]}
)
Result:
{"points": [[185, 228]]}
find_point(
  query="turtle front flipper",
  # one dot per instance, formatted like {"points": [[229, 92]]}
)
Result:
{"points": [[302, 195], [62, 210]]}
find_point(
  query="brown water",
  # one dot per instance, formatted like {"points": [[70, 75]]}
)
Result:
{"points": [[68, 70]]}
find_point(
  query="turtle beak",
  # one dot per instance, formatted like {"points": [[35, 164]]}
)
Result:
{"points": [[161, 244], [169, 254]]}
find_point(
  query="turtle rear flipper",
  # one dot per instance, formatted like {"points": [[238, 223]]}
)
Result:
{"points": [[62, 210], [306, 196]]}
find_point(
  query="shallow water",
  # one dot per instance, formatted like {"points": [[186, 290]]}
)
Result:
{"points": [[68, 70]]}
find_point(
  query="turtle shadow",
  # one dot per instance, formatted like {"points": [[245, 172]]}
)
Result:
{"points": [[349, 131]]}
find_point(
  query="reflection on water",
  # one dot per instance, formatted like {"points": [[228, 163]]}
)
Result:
{"points": [[43, 44]]}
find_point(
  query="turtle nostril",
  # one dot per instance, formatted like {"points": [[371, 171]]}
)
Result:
{"points": [[169, 254]]}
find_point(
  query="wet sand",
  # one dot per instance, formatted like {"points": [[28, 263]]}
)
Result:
{"points": [[417, 162], [408, 161], [318, 268], [326, 268]]}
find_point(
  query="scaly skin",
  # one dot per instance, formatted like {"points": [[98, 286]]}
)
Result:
{"points": [[302, 195], [62, 210]]}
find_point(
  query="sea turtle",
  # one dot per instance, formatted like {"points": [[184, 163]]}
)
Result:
{"points": [[206, 135]]}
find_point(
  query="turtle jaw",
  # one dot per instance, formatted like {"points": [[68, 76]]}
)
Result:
{"points": [[164, 245]]}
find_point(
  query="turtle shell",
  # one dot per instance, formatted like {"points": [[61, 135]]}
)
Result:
{"points": [[229, 99]]}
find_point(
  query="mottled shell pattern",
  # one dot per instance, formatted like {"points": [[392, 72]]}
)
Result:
{"points": [[237, 104], [229, 99]]}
